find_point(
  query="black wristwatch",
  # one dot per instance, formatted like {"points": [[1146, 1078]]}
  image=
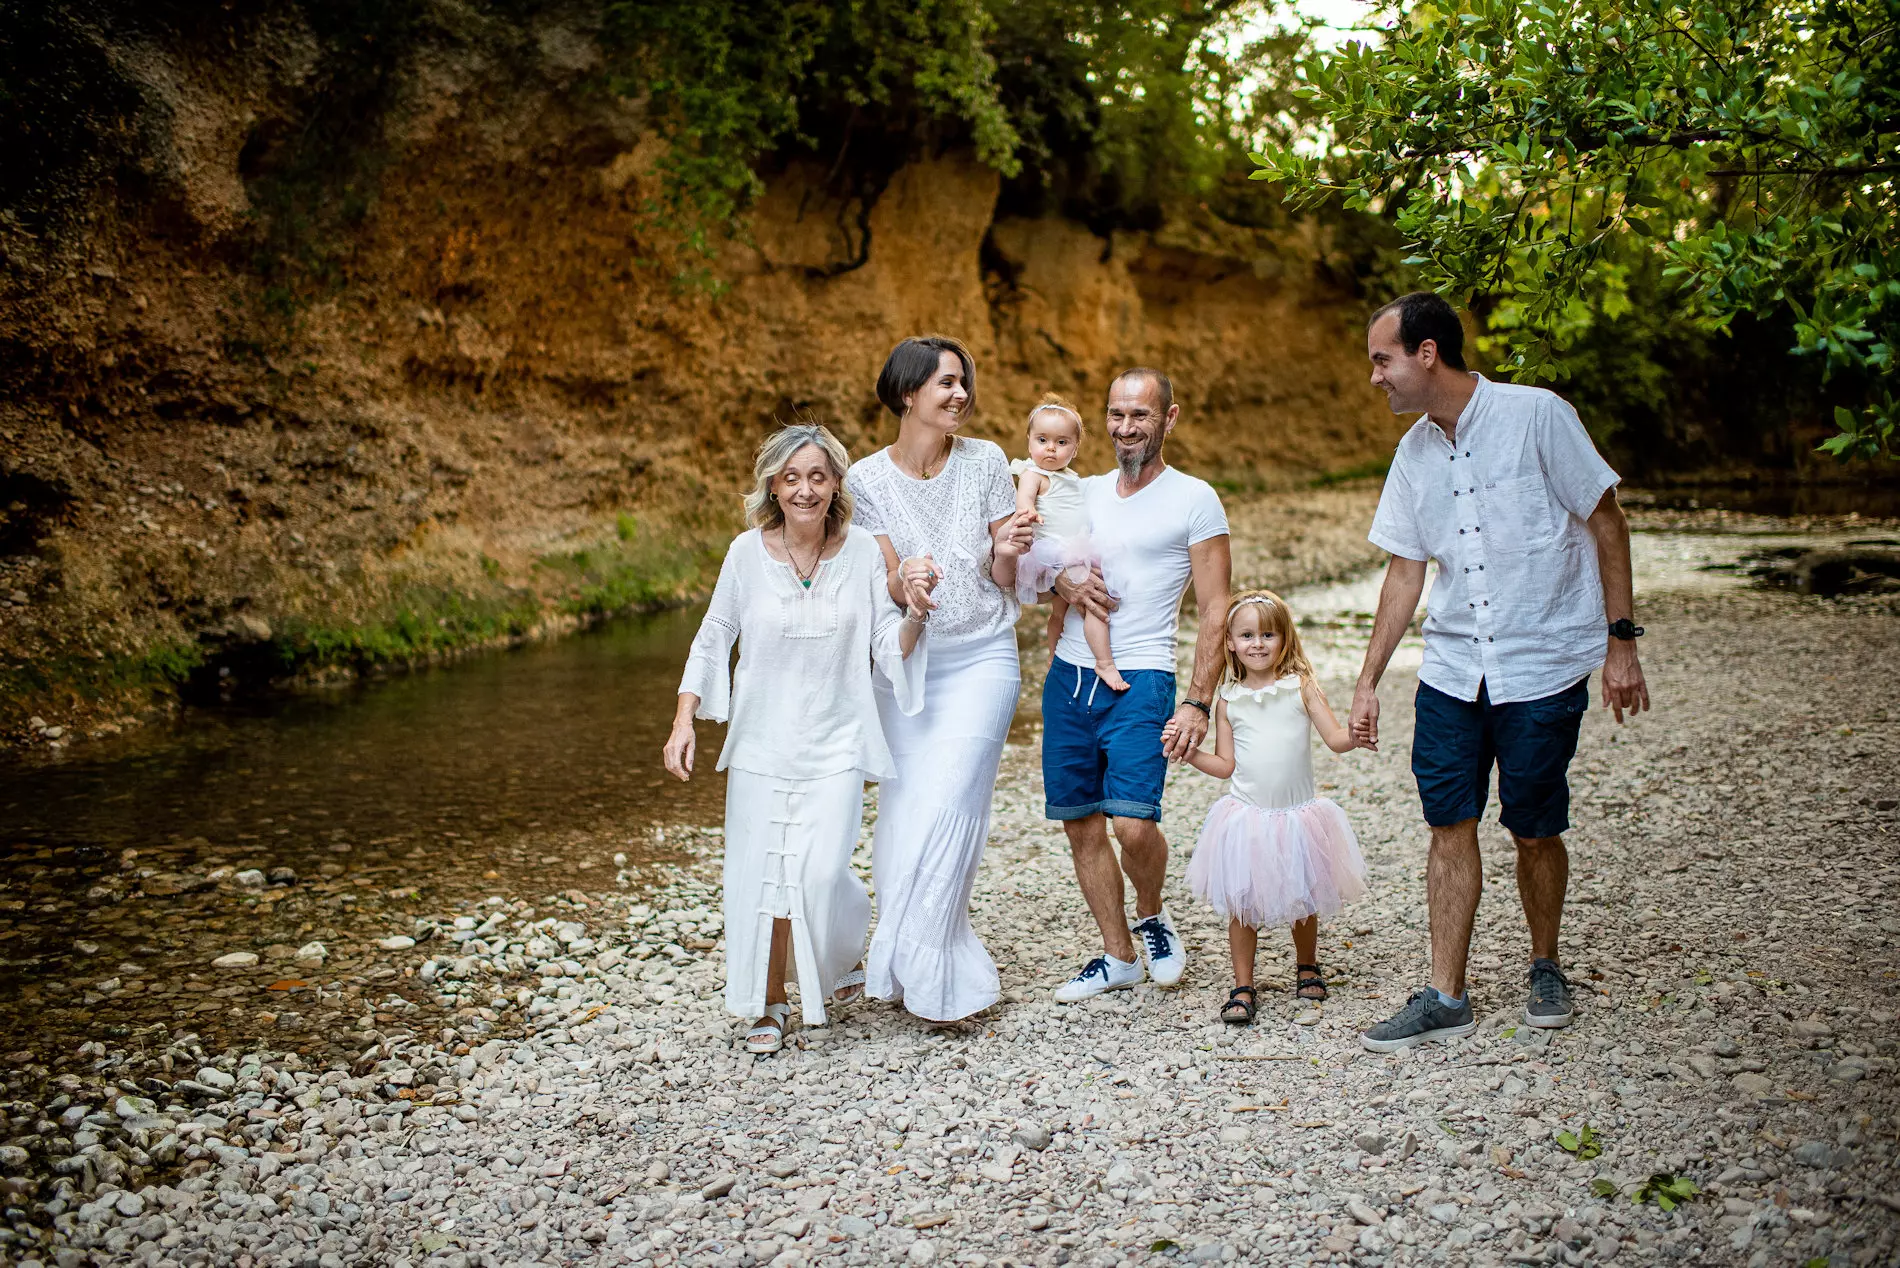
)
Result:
{"points": [[1201, 706], [1625, 629]]}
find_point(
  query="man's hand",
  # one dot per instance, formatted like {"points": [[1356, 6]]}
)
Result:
{"points": [[1091, 594], [1016, 534], [1364, 724], [1623, 685], [919, 576], [1184, 732]]}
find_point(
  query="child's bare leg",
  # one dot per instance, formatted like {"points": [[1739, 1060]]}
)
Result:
{"points": [[1058, 615], [1242, 942], [1309, 984], [1095, 629]]}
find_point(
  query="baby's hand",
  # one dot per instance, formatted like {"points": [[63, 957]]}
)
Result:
{"points": [[1168, 732]]}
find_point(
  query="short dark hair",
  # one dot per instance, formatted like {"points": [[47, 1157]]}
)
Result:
{"points": [[912, 363], [1164, 386], [1424, 315]]}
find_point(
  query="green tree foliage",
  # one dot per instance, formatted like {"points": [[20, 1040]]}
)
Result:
{"points": [[1543, 158], [1125, 107]]}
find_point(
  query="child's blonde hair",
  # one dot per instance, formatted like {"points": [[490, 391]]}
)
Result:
{"points": [[1276, 618], [1054, 400]]}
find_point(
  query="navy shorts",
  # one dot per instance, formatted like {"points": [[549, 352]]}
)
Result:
{"points": [[1456, 741], [1101, 749]]}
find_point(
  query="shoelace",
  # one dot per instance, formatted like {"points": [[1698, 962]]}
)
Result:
{"points": [[1156, 935], [1098, 967], [1546, 984]]}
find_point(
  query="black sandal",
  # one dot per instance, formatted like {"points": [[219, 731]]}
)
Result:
{"points": [[1303, 984], [1248, 1007]]}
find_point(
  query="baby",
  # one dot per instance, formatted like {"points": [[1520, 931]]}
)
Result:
{"points": [[1046, 486]]}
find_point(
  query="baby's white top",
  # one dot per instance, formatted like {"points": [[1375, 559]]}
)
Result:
{"points": [[1273, 748], [1063, 510]]}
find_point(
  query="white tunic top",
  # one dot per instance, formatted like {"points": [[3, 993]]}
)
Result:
{"points": [[1064, 512], [800, 702], [1517, 604], [947, 517], [1273, 744]]}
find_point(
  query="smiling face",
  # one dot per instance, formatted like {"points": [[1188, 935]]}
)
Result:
{"points": [[1253, 643], [1404, 377], [804, 488], [1053, 435], [1136, 422], [942, 401]]}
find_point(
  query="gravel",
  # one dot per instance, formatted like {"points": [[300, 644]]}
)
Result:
{"points": [[1731, 935]]}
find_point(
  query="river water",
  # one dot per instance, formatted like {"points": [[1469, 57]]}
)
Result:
{"points": [[529, 777]]}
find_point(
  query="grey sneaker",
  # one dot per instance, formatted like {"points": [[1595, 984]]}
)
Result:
{"points": [[1422, 1019], [1549, 1007]]}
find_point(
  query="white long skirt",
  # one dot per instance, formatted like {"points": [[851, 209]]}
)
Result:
{"points": [[933, 821], [788, 857]]}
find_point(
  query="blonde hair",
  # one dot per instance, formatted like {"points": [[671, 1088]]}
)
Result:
{"points": [[762, 510], [1053, 400], [1275, 618]]}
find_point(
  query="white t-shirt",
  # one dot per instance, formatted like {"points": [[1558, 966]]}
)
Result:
{"points": [[1518, 604], [1144, 540]]}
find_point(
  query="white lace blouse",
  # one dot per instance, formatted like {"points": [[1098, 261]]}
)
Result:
{"points": [[947, 517], [800, 702]]}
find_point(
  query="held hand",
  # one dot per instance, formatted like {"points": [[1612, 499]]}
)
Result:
{"points": [[1189, 727], [919, 576], [1015, 535], [1091, 595], [678, 753], [1364, 724], [1623, 686]]}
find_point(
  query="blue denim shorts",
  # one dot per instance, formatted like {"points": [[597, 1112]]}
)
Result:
{"points": [[1101, 749], [1456, 742]]}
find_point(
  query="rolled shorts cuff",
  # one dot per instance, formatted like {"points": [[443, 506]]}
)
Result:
{"points": [[1071, 812], [1116, 809]]}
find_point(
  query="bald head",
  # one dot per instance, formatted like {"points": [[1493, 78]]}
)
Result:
{"points": [[1159, 384]]}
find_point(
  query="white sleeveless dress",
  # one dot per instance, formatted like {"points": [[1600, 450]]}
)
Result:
{"points": [[1272, 850], [1062, 539]]}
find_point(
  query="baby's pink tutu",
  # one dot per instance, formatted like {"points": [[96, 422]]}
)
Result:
{"points": [[1267, 868], [1050, 557]]}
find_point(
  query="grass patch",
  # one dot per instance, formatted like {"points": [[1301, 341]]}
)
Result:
{"points": [[424, 621], [1373, 470], [636, 569]]}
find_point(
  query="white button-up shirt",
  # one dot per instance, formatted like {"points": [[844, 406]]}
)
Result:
{"points": [[1518, 604]]}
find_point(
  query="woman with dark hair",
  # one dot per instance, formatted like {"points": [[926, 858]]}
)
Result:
{"points": [[943, 508], [803, 593]]}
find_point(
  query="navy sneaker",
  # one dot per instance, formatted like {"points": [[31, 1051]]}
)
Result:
{"points": [[1549, 1005], [1424, 1018]]}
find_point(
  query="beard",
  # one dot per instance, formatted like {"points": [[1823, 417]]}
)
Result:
{"points": [[1132, 461]]}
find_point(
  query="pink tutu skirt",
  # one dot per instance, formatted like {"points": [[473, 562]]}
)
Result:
{"points": [[1050, 557], [1267, 868]]}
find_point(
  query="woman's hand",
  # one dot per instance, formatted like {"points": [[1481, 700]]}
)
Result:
{"points": [[1016, 534], [678, 753], [919, 576]]}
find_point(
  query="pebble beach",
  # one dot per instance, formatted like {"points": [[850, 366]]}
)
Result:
{"points": [[1726, 1095]]}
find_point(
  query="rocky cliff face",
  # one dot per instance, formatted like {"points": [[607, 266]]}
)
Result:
{"points": [[486, 403]]}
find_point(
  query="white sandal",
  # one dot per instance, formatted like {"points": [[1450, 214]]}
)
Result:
{"points": [[768, 1032], [849, 987]]}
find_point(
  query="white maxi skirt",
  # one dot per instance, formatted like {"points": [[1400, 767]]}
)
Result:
{"points": [[933, 820], [788, 857]]}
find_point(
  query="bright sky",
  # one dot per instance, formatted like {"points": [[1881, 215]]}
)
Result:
{"points": [[1338, 16]]}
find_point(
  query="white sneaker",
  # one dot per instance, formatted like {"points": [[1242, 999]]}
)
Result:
{"points": [[1103, 973], [1161, 948]]}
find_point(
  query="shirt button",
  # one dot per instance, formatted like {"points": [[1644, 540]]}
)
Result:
{"points": [[1461, 532]]}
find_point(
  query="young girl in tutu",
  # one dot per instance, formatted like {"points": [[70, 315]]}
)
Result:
{"points": [[1046, 486], [1272, 851]]}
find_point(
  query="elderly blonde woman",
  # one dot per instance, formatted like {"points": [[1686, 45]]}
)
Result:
{"points": [[804, 593]]}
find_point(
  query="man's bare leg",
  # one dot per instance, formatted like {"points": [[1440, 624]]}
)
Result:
{"points": [[1543, 877], [1145, 860], [1100, 876], [1454, 878]]}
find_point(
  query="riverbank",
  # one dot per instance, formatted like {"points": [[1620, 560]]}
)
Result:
{"points": [[1730, 925]]}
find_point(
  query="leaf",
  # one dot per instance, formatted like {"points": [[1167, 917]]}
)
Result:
{"points": [[1603, 1188], [1568, 1141], [1156, 1247]]}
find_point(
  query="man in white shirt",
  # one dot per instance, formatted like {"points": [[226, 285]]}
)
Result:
{"points": [[1102, 756], [1501, 486]]}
